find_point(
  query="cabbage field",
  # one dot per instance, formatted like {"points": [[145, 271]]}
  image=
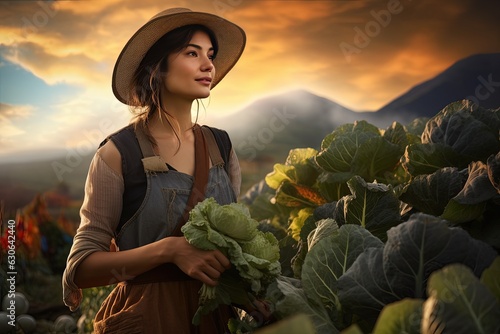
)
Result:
{"points": [[379, 231], [391, 230]]}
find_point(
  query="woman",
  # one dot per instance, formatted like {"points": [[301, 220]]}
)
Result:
{"points": [[144, 179]]}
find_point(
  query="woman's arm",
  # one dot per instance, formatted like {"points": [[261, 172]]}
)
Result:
{"points": [[103, 267]]}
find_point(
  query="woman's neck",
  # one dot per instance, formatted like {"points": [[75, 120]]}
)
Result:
{"points": [[174, 116], [178, 109]]}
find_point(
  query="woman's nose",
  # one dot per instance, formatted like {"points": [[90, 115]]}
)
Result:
{"points": [[207, 65]]}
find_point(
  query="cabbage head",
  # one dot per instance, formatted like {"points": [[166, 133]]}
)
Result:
{"points": [[254, 255]]}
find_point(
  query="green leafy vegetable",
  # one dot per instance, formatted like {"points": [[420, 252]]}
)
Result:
{"points": [[254, 254], [360, 149], [427, 193], [328, 260], [288, 298], [298, 218], [298, 168], [460, 133], [459, 303], [470, 202], [400, 269], [370, 205], [324, 228], [403, 316], [430, 193], [490, 278], [468, 129]]}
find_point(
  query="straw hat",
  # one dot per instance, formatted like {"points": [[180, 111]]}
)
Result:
{"points": [[231, 39]]}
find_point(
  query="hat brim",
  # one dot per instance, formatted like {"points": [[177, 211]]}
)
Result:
{"points": [[231, 39]]}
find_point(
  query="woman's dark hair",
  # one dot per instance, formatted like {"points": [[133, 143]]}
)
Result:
{"points": [[150, 75]]}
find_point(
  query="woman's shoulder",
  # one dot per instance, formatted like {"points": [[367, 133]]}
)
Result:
{"points": [[109, 149], [109, 153], [216, 130], [120, 135]]}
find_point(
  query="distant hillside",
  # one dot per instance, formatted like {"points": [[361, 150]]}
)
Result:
{"points": [[270, 127], [476, 77], [21, 181]]}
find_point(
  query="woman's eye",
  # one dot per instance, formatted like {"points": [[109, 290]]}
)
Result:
{"points": [[192, 53]]}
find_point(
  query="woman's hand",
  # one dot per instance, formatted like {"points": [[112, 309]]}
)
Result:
{"points": [[205, 266]]}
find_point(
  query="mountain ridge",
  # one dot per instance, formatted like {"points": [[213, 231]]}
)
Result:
{"points": [[476, 77]]}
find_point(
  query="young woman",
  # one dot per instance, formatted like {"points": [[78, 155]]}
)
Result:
{"points": [[145, 178]]}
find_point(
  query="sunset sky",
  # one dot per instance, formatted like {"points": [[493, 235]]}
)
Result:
{"points": [[57, 57]]}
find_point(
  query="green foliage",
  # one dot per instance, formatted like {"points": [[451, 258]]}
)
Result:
{"points": [[490, 278], [402, 267], [460, 133], [298, 324], [459, 302], [91, 302], [370, 205], [289, 298], [403, 316], [328, 261], [361, 149], [57, 248], [376, 213], [430, 193]]}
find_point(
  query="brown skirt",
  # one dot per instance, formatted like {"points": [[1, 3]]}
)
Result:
{"points": [[163, 307]]}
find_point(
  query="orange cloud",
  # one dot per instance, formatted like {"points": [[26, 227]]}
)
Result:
{"points": [[291, 44], [53, 68], [9, 127]]}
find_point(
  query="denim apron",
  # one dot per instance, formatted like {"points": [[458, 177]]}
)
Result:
{"points": [[166, 305]]}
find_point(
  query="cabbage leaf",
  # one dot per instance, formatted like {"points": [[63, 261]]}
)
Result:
{"points": [[328, 260], [400, 269], [459, 303], [373, 206]]}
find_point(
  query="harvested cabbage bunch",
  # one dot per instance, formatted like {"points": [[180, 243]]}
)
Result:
{"points": [[254, 255]]}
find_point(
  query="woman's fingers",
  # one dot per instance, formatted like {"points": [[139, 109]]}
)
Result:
{"points": [[204, 278], [222, 259], [206, 266], [216, 264]]}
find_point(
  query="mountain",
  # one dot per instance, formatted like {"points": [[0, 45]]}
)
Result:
{"points": [[268, 128], [476, 78], [21, 181]]}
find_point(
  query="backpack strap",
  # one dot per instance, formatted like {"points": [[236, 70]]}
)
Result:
{"points": [[150, 160], [224, 143], [213, 148]]}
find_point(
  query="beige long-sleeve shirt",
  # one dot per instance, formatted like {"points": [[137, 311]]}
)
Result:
{"points": [[100, 214]]}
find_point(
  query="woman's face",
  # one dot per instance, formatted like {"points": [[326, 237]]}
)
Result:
{"points": [[191, 71]]}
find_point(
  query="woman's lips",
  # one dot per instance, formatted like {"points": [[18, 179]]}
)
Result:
{"points": [[205, 81]]}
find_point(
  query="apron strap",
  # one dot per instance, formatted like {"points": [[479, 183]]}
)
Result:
{"points": [[201, 169], [144, 143], [169, 271]]}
